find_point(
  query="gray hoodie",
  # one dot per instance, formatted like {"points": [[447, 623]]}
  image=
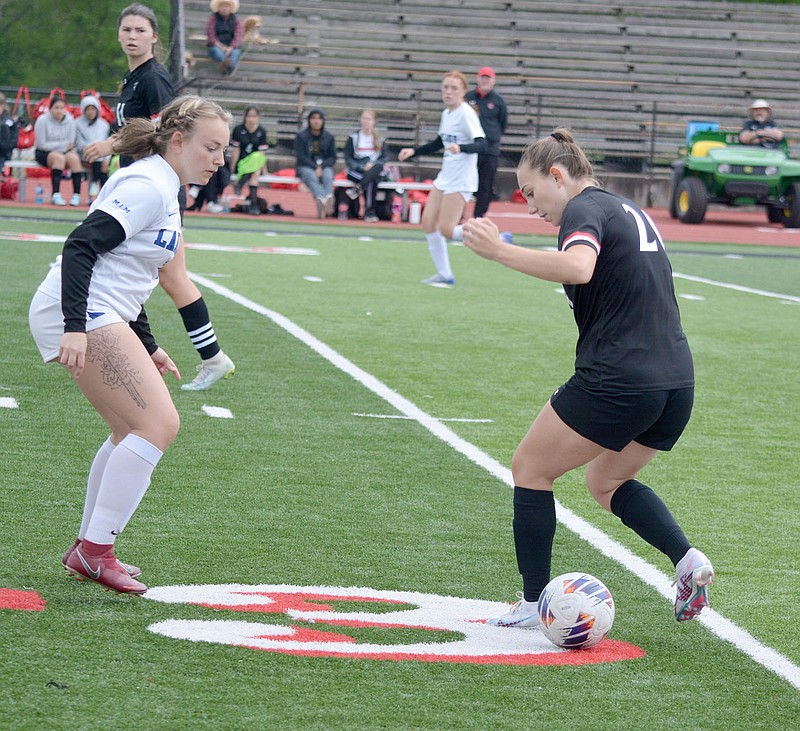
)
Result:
{"points": [[51, 135]]}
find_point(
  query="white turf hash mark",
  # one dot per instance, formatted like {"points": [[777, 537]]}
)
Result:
{"points": [[7, 402], [217, 412], [649, 574], [400, 416]]}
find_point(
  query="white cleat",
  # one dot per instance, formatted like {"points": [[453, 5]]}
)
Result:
{"points": [[524, 615], [210, 371], [693, 574]]}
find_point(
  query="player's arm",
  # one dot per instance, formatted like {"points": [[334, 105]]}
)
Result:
{"points": [[97, 234], [427, 149], [574, 265]]}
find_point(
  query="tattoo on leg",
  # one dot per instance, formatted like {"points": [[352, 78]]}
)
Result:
{"points": [[103, 348]]}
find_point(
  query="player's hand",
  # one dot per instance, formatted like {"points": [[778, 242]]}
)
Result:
{"points": [[95, 150], [405, 153], [483, 237], [454, 149], [164, 364], [72, 353]]}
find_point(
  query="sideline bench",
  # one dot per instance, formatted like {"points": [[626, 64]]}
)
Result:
{"points": [[21, 166]]}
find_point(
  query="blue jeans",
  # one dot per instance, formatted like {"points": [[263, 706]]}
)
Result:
{"points": [[219, 55], [320, 187]]}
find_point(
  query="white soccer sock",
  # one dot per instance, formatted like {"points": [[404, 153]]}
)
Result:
{"points": [[437, 245], [93, 483], [125, 481], [458, 233]]}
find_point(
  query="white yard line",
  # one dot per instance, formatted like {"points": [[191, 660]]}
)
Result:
{"points": [[649, 574], [737, 287]]}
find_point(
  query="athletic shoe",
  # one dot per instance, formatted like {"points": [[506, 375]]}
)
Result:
{"points": [[506, 237], [194, 191], [371, 218], [75, 200], [440, 280], [58, 200], [320, 207], [94, 189], [104, 569], [524, 615], [212, 207], [133, 571], [210, 371], [353, 193], [693, 574]]}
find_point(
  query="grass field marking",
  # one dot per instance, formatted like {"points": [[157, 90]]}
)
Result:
{"points": [[737, 287], [649, 574], [217, 412], [8, 402], [400, 416]]}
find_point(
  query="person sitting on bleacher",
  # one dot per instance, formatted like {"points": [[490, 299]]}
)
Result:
{"points": [[9, 134], [54, 132], [224, 34], [248, 155], [91, 127], [315, 150], [761, 128], [364, 156]]}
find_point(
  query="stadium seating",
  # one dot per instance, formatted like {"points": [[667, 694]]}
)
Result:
{"points": [[626, 78]]}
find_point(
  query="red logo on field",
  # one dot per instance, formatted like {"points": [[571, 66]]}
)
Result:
{"points": [[314, 609]]}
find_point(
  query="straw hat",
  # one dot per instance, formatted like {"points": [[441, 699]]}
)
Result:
{"points": [[233, 3]]}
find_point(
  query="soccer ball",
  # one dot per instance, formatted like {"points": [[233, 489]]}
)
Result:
{"points": [[576, 611]]}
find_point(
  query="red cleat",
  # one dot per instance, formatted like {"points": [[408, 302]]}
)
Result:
{"points": [[133, 571], [103, 568]]}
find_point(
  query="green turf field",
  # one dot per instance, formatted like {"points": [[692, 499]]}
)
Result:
{"points": [[307, 487]]}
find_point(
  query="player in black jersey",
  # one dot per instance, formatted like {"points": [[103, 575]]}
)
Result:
{"points": [[632, 392], [146, 89]]}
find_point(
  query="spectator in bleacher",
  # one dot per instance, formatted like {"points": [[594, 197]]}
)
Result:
{"points": [[146, 89], [462, 138], [761, 129], [315, 150], [224, 34], [91, 127], [249, 155], [364, 156], [493, 113], [54, 132], [9, 133]]}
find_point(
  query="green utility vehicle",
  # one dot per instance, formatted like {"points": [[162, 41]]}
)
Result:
{"points": [[717, 168]]}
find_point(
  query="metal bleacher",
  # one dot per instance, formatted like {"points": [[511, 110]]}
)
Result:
{"points": [[625, 77]]}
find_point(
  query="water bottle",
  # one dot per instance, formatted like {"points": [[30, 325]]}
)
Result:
{"points": [[226, 204], [342, 214], [39, 199]]}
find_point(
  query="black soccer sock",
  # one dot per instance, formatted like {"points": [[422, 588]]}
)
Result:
{"points": [[77, 179], [534, 530], [197, 322], [639, 508], [55, 179]]}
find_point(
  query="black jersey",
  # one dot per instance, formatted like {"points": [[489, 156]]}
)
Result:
{"points": [[145, 92], [629, 328], [248, 142]]}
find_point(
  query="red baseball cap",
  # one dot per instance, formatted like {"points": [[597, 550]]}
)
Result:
{"points": [[486, 71]]}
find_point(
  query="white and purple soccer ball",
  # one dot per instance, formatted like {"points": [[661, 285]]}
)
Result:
{"points": [[576, 611]]}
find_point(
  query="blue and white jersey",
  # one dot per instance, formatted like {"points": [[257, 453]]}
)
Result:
{"points": [[459, 173], [143, 198]]}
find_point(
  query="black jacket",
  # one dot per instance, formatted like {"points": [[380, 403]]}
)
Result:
{"points": [[312, 150]]}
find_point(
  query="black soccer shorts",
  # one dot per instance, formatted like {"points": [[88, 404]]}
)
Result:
{"points": [[613, 419]]}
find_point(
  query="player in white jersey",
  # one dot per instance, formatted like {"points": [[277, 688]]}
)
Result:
{"points": [[88, 315], [461, 137]]}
